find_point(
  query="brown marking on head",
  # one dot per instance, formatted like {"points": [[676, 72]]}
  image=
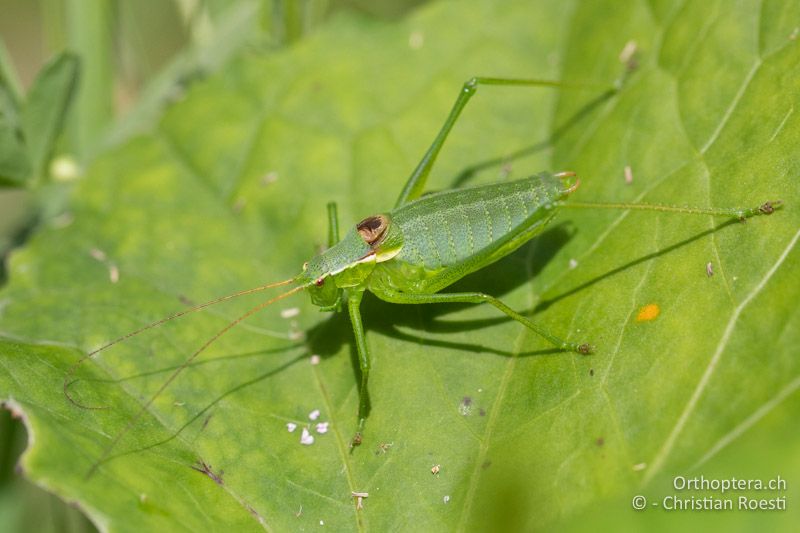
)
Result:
{"points": [[373, 229]]}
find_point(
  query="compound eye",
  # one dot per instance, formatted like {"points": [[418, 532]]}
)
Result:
{"points": [[305, 266], [373, 229], [319, 282]]}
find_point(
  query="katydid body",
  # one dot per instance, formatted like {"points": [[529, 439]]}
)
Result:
{"points": [[426, 245], [417, 249], [409, 254]]}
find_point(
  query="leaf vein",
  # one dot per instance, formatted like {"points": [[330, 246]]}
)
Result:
{"points": [[688, 410]]}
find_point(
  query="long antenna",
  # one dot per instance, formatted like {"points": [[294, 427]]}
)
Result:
{"points": [[142, 329], [135, 418]]}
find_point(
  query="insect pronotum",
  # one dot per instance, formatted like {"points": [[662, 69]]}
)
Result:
{"points": [[424, 244]]}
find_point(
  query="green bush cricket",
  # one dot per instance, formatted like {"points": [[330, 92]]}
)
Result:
{"points": [[423, 245]]}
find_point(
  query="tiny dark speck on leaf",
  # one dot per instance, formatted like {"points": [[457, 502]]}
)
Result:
{"points": [[205, 468], [486, 464], [465, 406], [591, 371], [600, 441]]}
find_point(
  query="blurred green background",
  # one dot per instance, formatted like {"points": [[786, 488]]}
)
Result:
{"points": [[134, 54]]}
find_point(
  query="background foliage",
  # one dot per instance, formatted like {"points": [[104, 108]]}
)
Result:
{"points": [[225, 185]]}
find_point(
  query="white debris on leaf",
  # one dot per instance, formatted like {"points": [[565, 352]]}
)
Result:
{"points": [[573, 263], [315, 359], [322, 427], [291, 426], [291, 312], [100, 256], [97, 254], [313, 415], [269, 177], [306, 438], [416, 40], [446, 499], [359, 496], [113, 273], [628, 174], [628, 55]]}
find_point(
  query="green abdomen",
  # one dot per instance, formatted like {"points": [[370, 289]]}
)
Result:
{"points": [[448, 228]]}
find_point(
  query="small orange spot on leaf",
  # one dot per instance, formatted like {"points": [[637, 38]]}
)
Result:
{"points": [[648, 312]]}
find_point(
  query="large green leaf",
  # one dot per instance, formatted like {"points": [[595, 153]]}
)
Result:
{"points": [[229, 192]]}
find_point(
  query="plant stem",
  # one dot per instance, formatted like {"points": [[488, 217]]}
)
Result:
{"points": [[89, 25]]}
